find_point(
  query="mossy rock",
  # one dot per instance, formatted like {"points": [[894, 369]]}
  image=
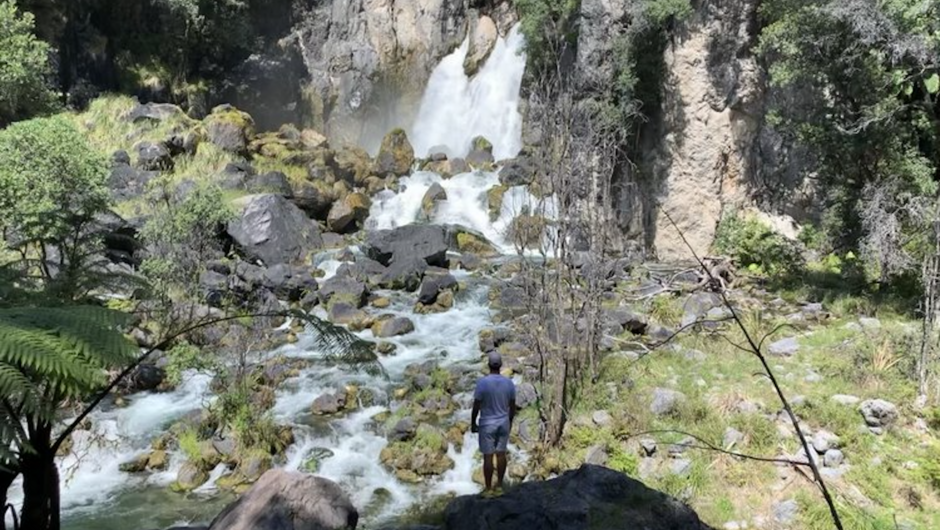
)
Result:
{"points": [[315, 458], [352, 165], [230, 129], [189, 477], [424, 455], [494, 200], [480, 143], [470, 243], [396, 155], [137, 465], [158, 460]]}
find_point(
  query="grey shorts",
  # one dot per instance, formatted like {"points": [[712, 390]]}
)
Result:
{"points": [[494, 438]]}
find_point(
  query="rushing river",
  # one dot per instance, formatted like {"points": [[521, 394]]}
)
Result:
{"points": [[96, 495]]}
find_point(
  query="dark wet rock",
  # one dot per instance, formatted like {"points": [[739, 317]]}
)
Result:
{"points": [[404, 273], [348, 315], [591, 497], [345, 289], [272, 230], [517, 172], [284, 500], [426, 242], [392, 326], [628, 320], [127, 182], [271, 182], [435, 281], [145, 377], [348, 215], [229, 129], [330, 403], [153, 156], [432, 197]]}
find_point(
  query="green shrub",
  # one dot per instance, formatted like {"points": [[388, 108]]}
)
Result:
{"points": [[756, 247], [188, 441], [24, 66], [52, 181], [184, 356]]}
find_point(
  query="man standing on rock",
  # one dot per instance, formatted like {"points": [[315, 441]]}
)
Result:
{"points": [[494, 402]]}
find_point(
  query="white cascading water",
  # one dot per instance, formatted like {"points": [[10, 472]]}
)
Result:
{"points": [[456, 108], [97, 495]]}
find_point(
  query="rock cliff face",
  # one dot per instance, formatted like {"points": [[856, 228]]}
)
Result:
{"points": [[710, 124], [369, 60], [707, 144]]}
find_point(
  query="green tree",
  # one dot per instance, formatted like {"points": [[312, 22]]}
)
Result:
{"points": [[24, 66], [862, 78]]}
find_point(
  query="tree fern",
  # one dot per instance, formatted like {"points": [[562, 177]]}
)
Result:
{"points": [[49, 354]]}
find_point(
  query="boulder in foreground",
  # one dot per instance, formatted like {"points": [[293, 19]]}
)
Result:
{"points": [[283, 500], [591, 497]]}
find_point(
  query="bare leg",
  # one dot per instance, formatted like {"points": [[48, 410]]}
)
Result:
{"points": [[488, 471], [500, 469]]}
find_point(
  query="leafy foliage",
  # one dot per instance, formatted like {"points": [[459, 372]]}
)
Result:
{"points": [[755, 246], [863, 76], [24, 66], [52, 354], [51, 179]]}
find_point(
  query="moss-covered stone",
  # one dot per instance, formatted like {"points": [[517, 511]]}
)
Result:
{"points": [[480, 143], [425, 455], [396, 155], [494, 200], [475, 244], [230, 128], [528, 230], [352, 165]]}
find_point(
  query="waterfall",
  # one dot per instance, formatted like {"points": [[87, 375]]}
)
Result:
{"points": [[456, 108]]}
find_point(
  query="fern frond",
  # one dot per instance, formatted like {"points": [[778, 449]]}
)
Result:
{"points": [[340, 344]]}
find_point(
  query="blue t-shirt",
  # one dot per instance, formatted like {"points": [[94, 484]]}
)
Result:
{"points": [[495, 394]]}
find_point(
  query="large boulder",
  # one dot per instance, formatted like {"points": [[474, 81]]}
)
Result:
{"points": [[127, 182], [396, 156], [348, 215], [283, 500], [392, 326], [426, 242], [517, 172], [432, 197], [271, 182], [878, 412], [273, 230], [352, 164], [230, 129], [468, 241], [591, 497]]}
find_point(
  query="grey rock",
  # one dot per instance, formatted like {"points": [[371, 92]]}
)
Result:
{"points": [[393, 327], [405, 272], [432, 197], [869, 323], [347, 289], [878, 412], [824, 440], [680, 467], [426, 242], [833, 458], [403, 430], [517, 172], [282, 500], [154, 112], [784, 347], [601, 418], [145, 377], [633, 322], [576, 500], [525, 395], [329, 403], [732, 437], [153, 156], [596, 455], [665, 401], [434, 282], [697, 305], [273, 230], [271, 182], [785, 512], [127, 182]]}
